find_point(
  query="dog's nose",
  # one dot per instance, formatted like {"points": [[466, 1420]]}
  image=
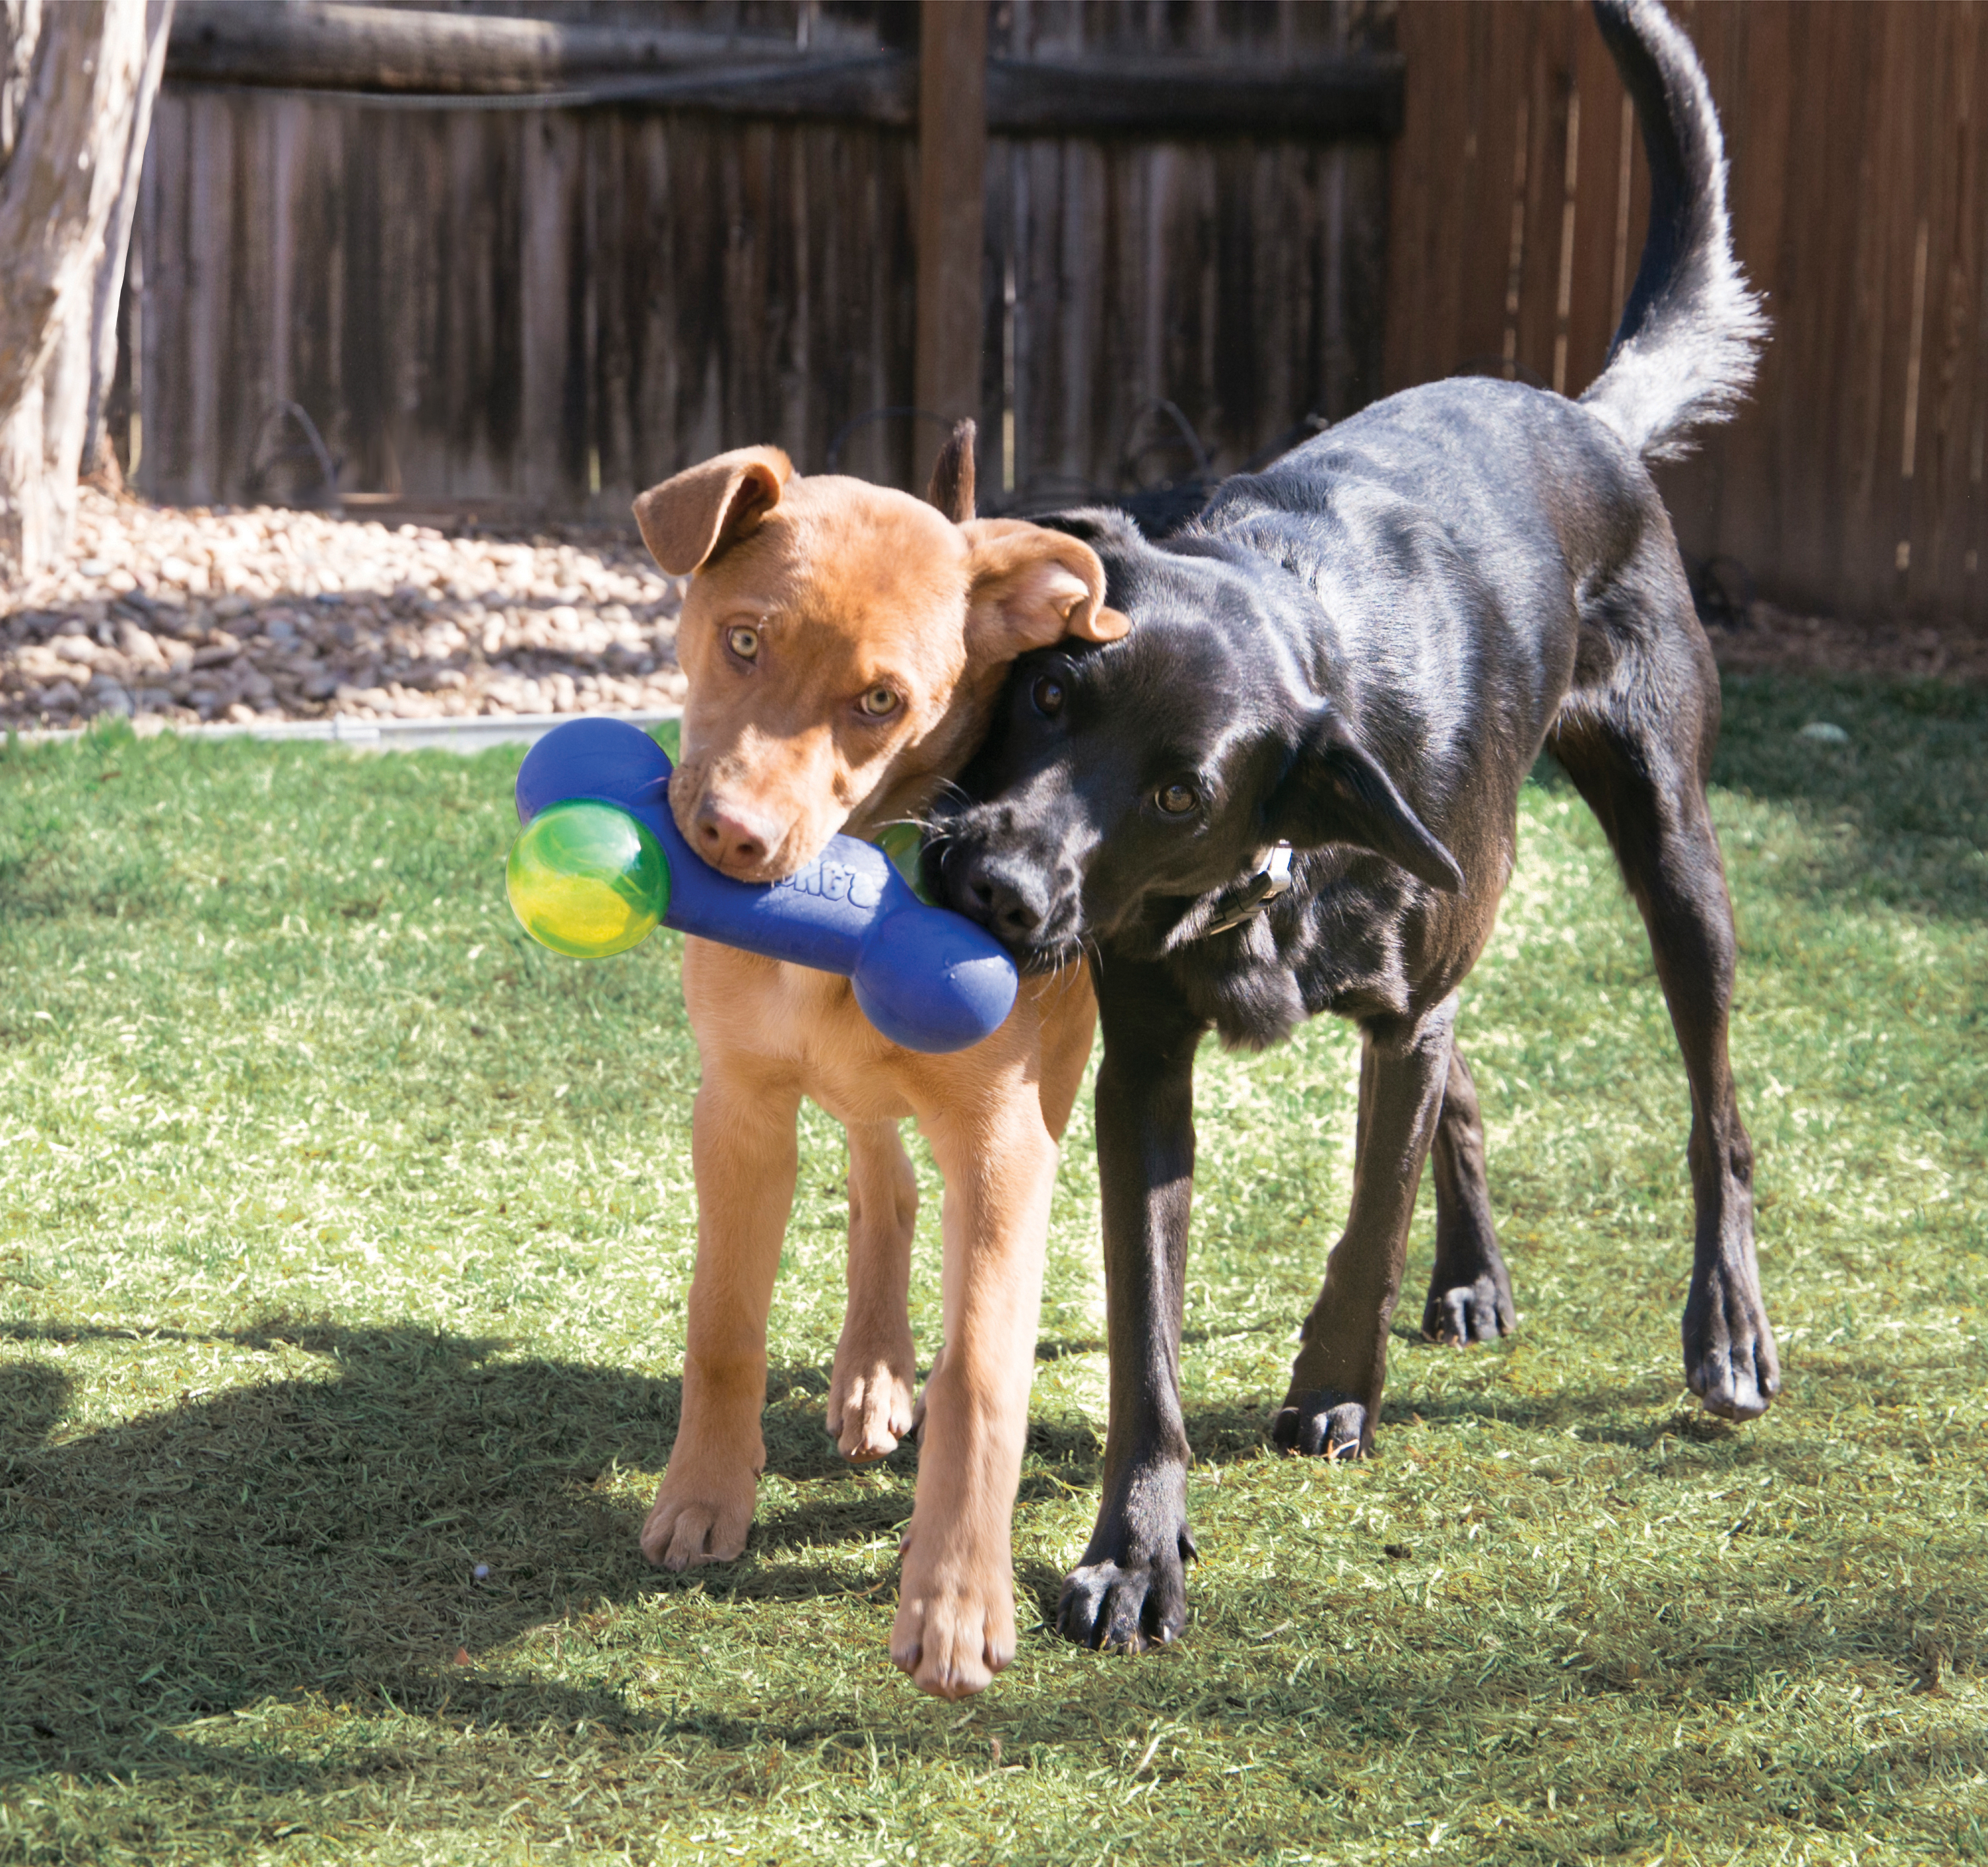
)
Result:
{"points": [[729, 839], [1007, 897]]}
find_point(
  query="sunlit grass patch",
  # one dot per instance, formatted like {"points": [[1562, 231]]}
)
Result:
{"points": [[344, 1237]]}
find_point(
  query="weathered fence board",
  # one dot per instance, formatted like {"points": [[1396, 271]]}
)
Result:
{"points": [[554, 306], [478, 301], [530, 305], [1853, 480], [1237, 282]]}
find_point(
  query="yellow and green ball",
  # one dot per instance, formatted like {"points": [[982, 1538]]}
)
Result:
{"points": [[588, 880]]}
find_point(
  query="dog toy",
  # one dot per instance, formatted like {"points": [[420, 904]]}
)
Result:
{"points": [[600, 864]]}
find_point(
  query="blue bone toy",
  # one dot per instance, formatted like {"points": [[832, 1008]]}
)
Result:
{"points": [[600, 864]]}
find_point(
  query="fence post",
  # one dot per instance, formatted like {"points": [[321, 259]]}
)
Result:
{"points": [[952, 164]]}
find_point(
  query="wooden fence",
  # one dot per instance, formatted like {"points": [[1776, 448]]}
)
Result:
{"points": [[502, 298], [1854, 480], [557, 298]]}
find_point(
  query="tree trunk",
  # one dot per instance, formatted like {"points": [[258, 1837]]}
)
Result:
{"points": [[98, 461], [76, 85], [20, 27]]}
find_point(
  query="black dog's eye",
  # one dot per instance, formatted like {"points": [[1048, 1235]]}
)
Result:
{"points": [[1047, 694], [1176, 800]]}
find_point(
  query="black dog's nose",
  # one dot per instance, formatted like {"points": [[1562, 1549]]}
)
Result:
{"points": [[1008, 898]]}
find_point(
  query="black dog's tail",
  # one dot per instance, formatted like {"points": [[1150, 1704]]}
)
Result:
{"points": [[1691, 330]]}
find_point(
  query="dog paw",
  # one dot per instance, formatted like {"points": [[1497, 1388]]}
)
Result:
{"points": [[1130, 1592], [1729, 1358], [955, 1630], [870, 1405], [1462, 1313], [1130, 1605], [1323, 1425], [692, 1522]]}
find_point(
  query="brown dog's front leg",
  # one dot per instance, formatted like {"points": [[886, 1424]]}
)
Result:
{"points": [[742, 1147], [955, 1622], [1335, 1381], [870, 1393]]}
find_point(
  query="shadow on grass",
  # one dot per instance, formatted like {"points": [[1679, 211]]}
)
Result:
{"points": [[321, 1533], [316, 1536], [1912, 765]]}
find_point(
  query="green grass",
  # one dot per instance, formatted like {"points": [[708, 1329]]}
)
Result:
{"points": [[344, 1245]]}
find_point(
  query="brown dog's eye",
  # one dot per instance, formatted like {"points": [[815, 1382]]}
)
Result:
{"points": [[1047, 694], [1176, 800], [744, 643], [879, 703]]}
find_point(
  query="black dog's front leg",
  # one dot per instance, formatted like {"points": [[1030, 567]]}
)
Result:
{"points": [[1131, 1588]]}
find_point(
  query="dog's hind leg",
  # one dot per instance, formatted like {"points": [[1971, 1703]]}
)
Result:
{"points": [[1470, 1295], [1335, 1400], [1639, 761], [870, 1393]]}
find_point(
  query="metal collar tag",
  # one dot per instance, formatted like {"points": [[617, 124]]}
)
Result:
{"points": [[1253, 896]]}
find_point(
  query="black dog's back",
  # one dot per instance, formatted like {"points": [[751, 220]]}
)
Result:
{"points": [[1524, 498]]}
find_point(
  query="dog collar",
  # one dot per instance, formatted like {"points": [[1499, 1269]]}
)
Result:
{"points": [[1248, 899]]}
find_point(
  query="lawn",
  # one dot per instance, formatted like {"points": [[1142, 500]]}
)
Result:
{"points": [[344, 1238]]}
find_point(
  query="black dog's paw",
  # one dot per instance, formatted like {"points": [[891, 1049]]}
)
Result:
{"points": [[1131, 1605], [1729, 1359], [1463, 1314], [1323, 1425]]}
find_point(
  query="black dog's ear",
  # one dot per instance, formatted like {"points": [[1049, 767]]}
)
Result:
{"points": [[1334, 792], [951, 488]]}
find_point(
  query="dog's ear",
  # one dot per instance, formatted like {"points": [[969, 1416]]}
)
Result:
{"points": [[1030, 588], [1334, 791], [951, 488], [688, 521]]}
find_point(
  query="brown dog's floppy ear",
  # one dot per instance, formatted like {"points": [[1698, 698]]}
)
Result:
{"points": [[1335, 791], [1032, 587], [688, 521], [951, 488]]}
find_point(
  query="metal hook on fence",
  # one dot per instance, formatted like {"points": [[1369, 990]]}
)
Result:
{"points": [[1722, 592], [327, 466], [1309, 429], [1129, 459]]}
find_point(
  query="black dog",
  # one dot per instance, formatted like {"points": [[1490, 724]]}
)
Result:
{"points": [[1356, 656]]}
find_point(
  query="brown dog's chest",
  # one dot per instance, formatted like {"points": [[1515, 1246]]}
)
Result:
{"points": [[801, 1025], [803, 1030]]}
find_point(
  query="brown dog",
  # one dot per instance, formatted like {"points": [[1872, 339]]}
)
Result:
{"points": [[844, 644]]}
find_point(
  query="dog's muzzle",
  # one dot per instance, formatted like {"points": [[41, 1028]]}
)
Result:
{"points": [[1017, 897]]}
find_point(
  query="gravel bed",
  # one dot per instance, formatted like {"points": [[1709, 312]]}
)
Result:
{"points": [[236, 615]]}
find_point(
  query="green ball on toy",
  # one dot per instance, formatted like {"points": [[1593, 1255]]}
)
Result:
{"points": [[600, 862], [588, 880]]}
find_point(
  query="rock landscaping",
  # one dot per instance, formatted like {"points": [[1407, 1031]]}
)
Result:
{"points": [[233, 615]]}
